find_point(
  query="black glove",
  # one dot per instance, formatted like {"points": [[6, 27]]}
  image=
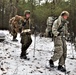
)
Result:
{"points": [[59, 34], [24, 23]]}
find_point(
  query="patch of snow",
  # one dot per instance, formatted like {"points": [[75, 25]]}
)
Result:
{"points": [[13, 65]]}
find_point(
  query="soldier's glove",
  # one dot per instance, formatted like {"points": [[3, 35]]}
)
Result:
{"points": [[60, 33], [24, 23]]}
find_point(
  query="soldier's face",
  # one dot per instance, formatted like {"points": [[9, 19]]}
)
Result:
{"points": [[27, 16], [65, 17]]}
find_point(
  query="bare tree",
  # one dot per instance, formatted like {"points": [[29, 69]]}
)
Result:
{"points": [[57, 1], [13, 9]]}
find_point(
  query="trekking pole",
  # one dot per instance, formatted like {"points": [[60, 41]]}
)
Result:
{"points": [[65, 68], [36, 29], [34, 41], [72, 52], [34, 45]]}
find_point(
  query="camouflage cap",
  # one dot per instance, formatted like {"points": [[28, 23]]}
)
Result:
{"points": [[65, 12], [26, 12]]}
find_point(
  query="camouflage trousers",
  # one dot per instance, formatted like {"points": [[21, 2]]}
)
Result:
{"points": [[13, 31], [60, 50], [14, 34], [26, 42]]}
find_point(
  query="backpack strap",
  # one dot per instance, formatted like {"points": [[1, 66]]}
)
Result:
{"points": [[61, 26]]}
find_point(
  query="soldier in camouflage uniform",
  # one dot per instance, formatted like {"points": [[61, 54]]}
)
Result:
{"points": [[59, 31], [15, 26], [26, 34]]}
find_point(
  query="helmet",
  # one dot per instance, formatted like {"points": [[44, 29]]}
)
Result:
{"points": [[26, 12], [65, 13]]}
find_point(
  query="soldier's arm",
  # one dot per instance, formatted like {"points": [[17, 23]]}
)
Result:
{"points": [[55, 28], [23, 21], [66, 30]]}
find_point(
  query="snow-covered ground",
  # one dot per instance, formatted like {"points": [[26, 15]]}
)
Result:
{"points": [[12, 64]]}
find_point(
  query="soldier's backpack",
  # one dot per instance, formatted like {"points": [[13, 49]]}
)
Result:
{"points": [[50, 22]]}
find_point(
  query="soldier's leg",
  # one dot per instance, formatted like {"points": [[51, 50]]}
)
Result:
{"points": [[15, 35], [28, 44], [23, 50], [63, 57], [50, 33], [47, 33], [58, 49], [25, 46], [10, 28]]}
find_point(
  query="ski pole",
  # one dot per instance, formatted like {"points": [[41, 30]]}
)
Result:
{"points": [[34, 45], [72, 52], [34, 41]]}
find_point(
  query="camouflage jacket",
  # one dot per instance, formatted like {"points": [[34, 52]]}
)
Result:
{"points": [[26, 24], [60, 22]]}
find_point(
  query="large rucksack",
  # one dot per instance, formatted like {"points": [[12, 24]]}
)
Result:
{"points": [[50, 22]]}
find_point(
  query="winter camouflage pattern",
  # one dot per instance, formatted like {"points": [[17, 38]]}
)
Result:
{"points": [[57, 23], [59, 40], [48, 30]]}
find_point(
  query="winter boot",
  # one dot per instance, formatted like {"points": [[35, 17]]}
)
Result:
{"points": [[51, 63], [24, 57], [62, 69], [15, 40]]}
